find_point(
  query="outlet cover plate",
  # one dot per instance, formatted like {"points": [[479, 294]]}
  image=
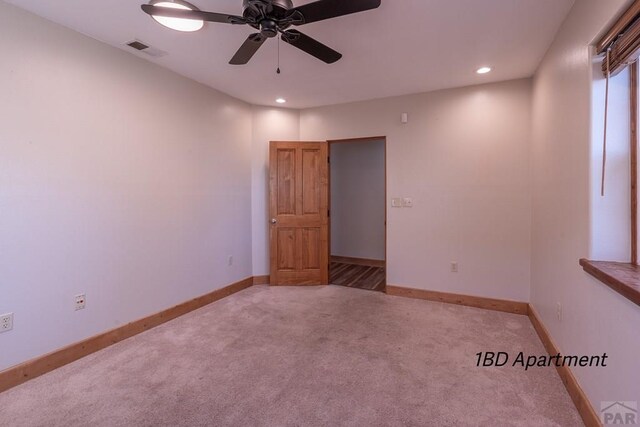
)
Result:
{"points": [[6, 322], [81, 302]]}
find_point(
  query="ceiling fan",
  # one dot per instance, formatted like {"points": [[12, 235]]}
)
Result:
{"points": [[269, 17]]}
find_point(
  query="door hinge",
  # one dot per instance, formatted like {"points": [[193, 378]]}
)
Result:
{"points": [[328, 159], [329, 213]]}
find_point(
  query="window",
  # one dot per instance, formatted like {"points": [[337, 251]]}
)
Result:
{"points": [[619, 49]]}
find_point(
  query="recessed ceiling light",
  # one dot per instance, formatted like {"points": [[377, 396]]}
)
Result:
{"points": [[281, 100], [483, 70], [178, 24]]}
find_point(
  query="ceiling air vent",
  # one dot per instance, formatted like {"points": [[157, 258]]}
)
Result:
{"points": [[146, 49], [137, 45]]}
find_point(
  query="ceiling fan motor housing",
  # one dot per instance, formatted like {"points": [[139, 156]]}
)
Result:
{"points": [[265, 15], [260, 9]]}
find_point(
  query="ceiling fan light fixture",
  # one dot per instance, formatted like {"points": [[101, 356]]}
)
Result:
{"points": [[269, 17], [281, 101], [178, 24], [483, 70]]}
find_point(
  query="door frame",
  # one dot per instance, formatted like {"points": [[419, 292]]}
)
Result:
{"points": [[352, 141]]}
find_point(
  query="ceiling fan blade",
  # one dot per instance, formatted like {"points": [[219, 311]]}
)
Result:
{"points": [[326, 9], [311, 46], [192, 14], [248, 49]]}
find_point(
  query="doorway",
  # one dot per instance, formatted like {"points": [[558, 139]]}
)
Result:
{"points": [[357, 222]]}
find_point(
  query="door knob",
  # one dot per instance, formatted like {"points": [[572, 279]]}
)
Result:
{"points": [[273, 220]]}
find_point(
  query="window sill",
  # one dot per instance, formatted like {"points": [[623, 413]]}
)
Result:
{"points": [[623, 278]]}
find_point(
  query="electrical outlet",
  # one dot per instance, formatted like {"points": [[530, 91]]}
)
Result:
{"points": [[230, 260], [6, 322], [81, 302], [559, 311], [407, 202], [454, 267]]}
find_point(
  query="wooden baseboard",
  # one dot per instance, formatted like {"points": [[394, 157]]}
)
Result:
{"points": [[515, 307], [586, 411], [358, 261], [41, 365], [261, 280]]}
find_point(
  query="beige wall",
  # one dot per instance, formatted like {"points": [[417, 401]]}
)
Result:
{"points": [[118, 179], [269, 124], [565, 165], [464, 159]]}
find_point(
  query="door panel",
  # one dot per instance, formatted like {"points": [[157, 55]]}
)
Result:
{"points": [[310, 248], [286, 166], [310, 182], [298, 180], [286, 248]]}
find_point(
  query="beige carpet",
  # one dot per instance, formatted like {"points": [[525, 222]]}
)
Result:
{"points": [[323, 356]]}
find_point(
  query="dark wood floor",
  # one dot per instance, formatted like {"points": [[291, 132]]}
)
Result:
{"points": [[357, 276]]}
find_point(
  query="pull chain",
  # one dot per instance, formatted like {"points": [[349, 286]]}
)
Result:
{"points": [[278, 70]]}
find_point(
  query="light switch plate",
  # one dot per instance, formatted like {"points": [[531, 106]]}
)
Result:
{"points": [[396, 202], [407, 202]]}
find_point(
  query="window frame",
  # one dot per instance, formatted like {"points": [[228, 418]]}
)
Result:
{"points": [[624, 278]]}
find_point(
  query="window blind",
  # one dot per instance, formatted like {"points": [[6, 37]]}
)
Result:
{"points": [[622, 41]]}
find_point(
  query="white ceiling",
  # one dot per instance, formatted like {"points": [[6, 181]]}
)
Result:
{"points": [[405, 46]]}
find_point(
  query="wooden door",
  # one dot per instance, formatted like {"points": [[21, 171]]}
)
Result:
{"points": [[299, 211]]}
